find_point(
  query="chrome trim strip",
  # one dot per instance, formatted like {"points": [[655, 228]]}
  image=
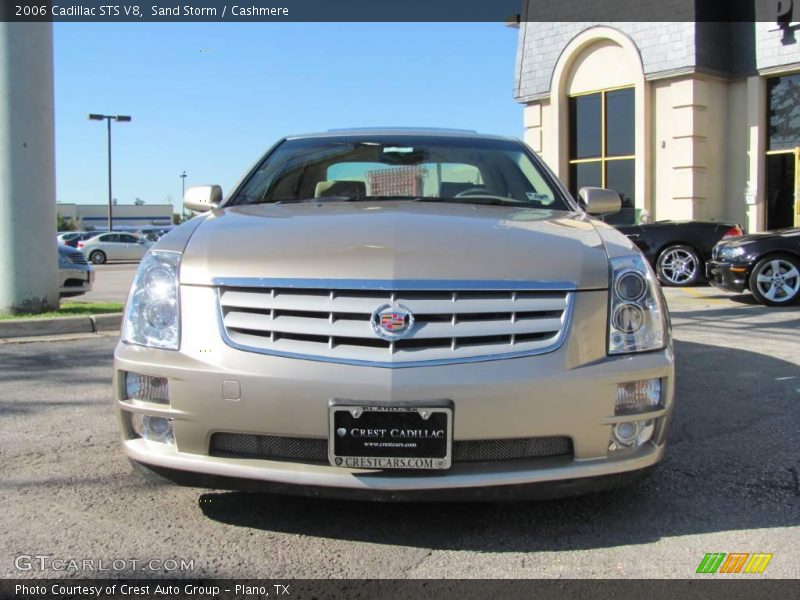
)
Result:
{"points": [[557, 343], [421, 285]]}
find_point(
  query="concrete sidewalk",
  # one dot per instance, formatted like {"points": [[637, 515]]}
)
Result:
{"points": [[45, 327]]}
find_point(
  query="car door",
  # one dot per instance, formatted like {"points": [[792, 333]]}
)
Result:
{"points": [[110, 244], [135, 246]]}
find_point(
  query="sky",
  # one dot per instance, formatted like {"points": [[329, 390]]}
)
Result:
{"points": [[210, 99]]}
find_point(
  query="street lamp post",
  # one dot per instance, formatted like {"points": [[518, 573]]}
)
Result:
{"points": [[108, 119], [183, 193]]}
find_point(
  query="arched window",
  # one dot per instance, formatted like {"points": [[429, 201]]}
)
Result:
{"points": [[602, 145]]}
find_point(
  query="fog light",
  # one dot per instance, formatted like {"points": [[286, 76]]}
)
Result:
{"points": [[630, 434], [147, 388], [635, 397], [154, 429]]}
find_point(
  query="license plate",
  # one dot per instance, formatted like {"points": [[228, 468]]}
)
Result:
{"points": [[390, 437]]}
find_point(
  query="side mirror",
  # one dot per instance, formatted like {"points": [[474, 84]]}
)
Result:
{"points": [[202, 198], [599, 201]]}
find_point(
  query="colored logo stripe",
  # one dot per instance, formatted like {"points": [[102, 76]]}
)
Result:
{"points": [[711, 562], [758, 562], [734, 563]]}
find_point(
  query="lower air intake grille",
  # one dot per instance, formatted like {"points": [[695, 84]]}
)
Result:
{"points": [[271, 447]]}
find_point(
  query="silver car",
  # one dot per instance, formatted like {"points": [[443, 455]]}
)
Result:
{"points": [[396, 314], [75, 274], [115, 245]]}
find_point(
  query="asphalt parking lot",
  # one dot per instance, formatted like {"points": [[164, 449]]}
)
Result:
{"points": [[111, 284], [729, 482]]}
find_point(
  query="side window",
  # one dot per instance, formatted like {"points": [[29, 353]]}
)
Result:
{"points": [[111, 237], [128, 239]]}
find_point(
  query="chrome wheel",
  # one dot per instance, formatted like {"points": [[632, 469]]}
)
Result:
{"points": [[678, 265], [777, 280]]}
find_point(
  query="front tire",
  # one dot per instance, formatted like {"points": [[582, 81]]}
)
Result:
{"points": [[775, 280], [98, 257], [678, 265]]}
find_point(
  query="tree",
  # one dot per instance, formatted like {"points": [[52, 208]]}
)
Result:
{"points": [[64, 223]]}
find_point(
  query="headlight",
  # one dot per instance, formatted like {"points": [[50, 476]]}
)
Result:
{"points": [[637, 320], [152, 317], [729, 252]]}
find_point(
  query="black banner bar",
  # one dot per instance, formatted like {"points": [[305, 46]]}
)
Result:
{"points": [[508, 11], [708, 587]]}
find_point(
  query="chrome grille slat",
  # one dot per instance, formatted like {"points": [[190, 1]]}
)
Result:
{"points": [[363, 329], [77, 258], [342, 303], [299, 325], [333, 324], [270, 447]]}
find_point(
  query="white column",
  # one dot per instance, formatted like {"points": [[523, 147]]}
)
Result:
{"points": [[28, 256]]}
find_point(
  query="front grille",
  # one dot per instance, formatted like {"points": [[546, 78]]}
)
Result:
{"points": [[77, 258], [452, 325], [315, 450]]}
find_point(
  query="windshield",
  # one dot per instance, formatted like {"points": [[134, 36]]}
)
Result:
{"points": [[470, 170]]}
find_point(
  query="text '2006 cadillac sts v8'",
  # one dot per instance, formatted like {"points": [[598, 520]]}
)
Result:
{"points": [[396, 314]]}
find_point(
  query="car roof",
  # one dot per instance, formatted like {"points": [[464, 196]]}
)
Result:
{"points": [[402, 131]]}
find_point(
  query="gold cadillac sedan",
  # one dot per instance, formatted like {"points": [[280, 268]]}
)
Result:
{"points": [[399, 315]]}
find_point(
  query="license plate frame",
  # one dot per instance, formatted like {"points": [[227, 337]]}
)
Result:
{"points": [[391, 436]]}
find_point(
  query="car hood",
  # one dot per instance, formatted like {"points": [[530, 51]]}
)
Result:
{"points": [[395, 240], [761, 236]]}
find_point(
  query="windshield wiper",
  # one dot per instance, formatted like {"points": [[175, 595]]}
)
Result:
{"points": [[483, 200], [340, 198]]}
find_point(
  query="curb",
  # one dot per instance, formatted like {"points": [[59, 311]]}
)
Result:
{"points": [[15, 328]]}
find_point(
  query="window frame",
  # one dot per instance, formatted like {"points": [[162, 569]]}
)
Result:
{"points": [[603, 158], [778, 151]]}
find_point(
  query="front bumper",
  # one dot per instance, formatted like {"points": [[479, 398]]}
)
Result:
{"points": [[569, 392], [730, 277], [76, 279], [516, 492]]}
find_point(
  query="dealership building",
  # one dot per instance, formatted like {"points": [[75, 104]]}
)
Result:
{"points": [[686, 120], [95, 216]]}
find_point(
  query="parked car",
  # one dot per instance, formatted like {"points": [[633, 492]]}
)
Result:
{"points": [[114, 246], [154, 234], [678, 250], [396, 314], [68, 236], [76, 275], [81, 236], [767, 264]]}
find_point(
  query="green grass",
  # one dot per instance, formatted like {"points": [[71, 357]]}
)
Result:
{"points": [[73, 309]]}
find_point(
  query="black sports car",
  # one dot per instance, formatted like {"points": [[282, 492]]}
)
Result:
{"points": [[767, 264], [679, 249]]}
